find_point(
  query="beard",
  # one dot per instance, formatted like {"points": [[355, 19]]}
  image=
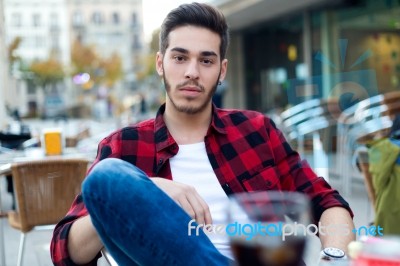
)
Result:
{"points": [[190, 108]]}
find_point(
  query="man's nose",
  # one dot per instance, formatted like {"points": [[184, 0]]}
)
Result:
{"points": [[192, 71]]}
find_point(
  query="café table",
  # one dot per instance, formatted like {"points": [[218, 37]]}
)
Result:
{"points": [[31, 154], [14, 156]]}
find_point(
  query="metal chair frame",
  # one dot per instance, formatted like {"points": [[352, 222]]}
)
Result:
{"points": [[360, 123]]}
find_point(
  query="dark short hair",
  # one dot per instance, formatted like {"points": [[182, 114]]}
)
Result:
{"points": [[197, 14]]}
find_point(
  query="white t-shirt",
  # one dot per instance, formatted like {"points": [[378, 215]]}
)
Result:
{"points": [[192, 167]]}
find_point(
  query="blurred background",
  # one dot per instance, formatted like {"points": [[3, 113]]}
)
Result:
{"points": [[88, 67], [95, 58]]}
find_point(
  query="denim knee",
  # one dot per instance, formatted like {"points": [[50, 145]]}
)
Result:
{"points": [[108, 172]]}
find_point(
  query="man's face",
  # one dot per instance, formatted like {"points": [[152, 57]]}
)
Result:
{"points": [[191, 68]]}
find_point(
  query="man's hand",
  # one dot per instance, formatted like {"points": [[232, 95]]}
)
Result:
{"points": [[186, 197]]}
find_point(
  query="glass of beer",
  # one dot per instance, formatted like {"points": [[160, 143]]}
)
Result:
{"points": [[268, 228]]}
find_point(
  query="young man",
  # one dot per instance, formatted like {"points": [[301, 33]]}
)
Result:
{"points": [[151, 179]]}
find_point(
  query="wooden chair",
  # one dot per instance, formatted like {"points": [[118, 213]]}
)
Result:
{"points": [[44, 192]]}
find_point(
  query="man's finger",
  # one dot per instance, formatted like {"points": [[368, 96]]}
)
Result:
{"points": [[197, 207], [187, 207], [206, 209]]}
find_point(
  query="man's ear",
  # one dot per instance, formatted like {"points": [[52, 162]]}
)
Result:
{"points": [[159, 64], [224, 68]]}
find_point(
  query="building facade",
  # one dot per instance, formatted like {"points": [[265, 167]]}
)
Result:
{"points": [[3, 72], [42, 29], [111, 27], [50, 27], [285, 52]]}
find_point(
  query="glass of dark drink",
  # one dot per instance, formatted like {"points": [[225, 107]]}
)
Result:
{"points": [[268, 228]]}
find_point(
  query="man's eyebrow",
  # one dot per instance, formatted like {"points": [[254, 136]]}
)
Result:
{"points": [[208, 53], [185, 51], [180, 50]]}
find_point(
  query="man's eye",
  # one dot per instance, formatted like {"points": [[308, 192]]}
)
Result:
{"points": [[179, 58], [207, 61]]}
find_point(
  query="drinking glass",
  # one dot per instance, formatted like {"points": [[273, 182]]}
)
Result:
{"points": [[268, 228]]}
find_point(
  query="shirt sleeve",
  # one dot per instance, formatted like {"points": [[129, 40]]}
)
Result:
{"points": [[59, 243], [297, 175]]}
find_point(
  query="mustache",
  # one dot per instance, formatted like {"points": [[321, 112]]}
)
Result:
{"points": [[190, 83]]}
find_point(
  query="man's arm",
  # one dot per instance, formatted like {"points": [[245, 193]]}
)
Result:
{"points": [[83, 241], [328, 207], [337, 228]]}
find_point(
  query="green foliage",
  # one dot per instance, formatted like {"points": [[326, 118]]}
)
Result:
{"points": [[47, 72], [12, 57], [84, 58], [148, 61], [101, 70]]}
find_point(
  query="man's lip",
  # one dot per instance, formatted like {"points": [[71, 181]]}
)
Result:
{"points": [[190, 89]]}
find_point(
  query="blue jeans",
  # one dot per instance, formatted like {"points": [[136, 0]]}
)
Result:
{"points": [[138, 223]]}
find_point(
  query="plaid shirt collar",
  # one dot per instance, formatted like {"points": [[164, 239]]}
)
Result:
{"points": [[163, 138]]}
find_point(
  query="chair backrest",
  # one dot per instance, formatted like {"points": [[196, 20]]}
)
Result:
{"points": [[298, 114], [45, 189], [359, 124], [310, 116], [376, 119]]}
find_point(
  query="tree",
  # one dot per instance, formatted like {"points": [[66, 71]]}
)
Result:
{"points": [[12, 57], [102, 71], [148, 60], [112, 70], [47, 73], [154, 41], [84, 58]]}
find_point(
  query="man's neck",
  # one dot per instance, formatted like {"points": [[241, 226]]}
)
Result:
{"points": [[187, 128]]}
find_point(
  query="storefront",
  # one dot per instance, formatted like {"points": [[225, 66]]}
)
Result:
{"points": [[349, 50]]}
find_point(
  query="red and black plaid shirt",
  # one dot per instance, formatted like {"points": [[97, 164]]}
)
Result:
{"points": [[245, 149]]}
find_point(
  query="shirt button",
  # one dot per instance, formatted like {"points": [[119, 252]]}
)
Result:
{"points": [[160, 161]]}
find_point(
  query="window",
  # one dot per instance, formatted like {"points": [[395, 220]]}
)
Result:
{"points": [[27, 42], [36, 20], [39, 42], [97, 18], [53, 20], [115, 18], [16, 20], [77, 19], [134, 19], [136, 41], [54, 41]]}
